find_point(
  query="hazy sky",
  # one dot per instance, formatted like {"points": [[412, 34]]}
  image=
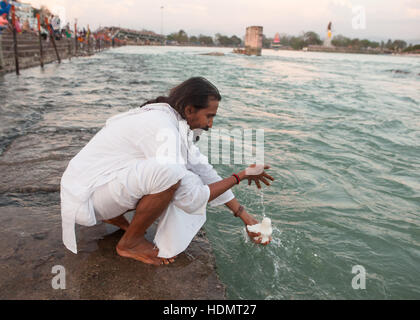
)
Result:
{"points": [[383, 18]]}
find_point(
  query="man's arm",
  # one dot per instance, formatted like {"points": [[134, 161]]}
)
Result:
{"points": [[206, 172], [198, 163], [219, 187]]}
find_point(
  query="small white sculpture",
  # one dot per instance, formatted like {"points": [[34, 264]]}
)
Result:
{"points": [[264, 228]]}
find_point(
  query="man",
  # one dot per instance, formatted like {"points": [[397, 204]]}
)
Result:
{"points": [[3, 25], [4, 13], [5, 7], [56, 26], [145, 160]]}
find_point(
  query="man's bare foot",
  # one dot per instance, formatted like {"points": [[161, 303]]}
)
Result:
{"points": [[145, 252], [121, 222]]}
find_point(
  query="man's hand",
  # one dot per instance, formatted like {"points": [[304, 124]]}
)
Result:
{"points": [[256, 173], [250, 221]]}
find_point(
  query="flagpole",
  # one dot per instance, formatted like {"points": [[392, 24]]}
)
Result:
{"points": [[161, 21]]}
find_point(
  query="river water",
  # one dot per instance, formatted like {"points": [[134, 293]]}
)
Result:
{"points": [[342, 134]]}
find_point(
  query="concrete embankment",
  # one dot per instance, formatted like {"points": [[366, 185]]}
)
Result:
{"points": [[31, 247], [344, 50], [29, 51], [31, 243]]}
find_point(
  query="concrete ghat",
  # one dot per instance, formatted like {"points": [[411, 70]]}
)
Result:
{"points": [[30, 238], [30, 246], [29, 50]]}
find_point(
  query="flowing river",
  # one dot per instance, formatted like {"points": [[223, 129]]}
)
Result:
{"points": [[342, 135]]}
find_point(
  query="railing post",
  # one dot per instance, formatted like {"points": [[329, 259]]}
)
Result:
{"points": [[52, 35], [69, 42], [88, 41], [76, 40], [41, 51], [15, 46]]}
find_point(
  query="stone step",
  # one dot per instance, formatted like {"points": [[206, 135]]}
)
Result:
{"points": [[31, 46]]}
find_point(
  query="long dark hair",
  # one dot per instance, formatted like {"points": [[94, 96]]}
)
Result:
{"points": [[195, 92]]}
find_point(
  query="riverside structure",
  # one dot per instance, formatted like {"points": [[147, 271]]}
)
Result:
{"points": [[253, 41], [32, 52]]}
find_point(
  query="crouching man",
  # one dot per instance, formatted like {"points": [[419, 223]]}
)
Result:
{"points": [[129, 164]]}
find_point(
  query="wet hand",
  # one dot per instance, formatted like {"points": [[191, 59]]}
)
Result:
{"points": [[256, 173]]}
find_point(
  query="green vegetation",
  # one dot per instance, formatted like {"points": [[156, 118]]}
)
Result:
{"points": [[299, 42], [232, 41], [341, 41], [182, 37], [267, 42], [412, 48], [206, 40], [312, 38], [305, 39]]}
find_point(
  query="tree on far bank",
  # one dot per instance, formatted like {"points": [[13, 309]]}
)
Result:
{"points": [[399, 44], [341, 41], [267, 42], [205, 40], [344, 42], [312, 38], [193, 39], [235, 40], [221, 39], [227, 41], [181, 36], [297, 43]]}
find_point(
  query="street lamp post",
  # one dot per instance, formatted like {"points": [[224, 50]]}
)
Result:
{"points": [[161, 22]]}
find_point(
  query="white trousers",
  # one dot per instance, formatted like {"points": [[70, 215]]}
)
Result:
{"points": [[180, 222]]}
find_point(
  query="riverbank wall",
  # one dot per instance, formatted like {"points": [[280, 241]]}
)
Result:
{"points": [[31, 247], [345, 50], [29, 49]]}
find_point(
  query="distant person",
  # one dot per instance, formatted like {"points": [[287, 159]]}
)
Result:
{"points": [[5, 8], [3, 21], [3, 25], [26, 27], [56, 27], [18, 25], [131, 165], [67, 31], [44, 33]]}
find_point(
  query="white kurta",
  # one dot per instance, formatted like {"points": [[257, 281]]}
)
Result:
{"points": [[159, 139]]}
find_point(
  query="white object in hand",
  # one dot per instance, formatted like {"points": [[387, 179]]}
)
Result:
{"points": [[254, 170], [264, 228]]}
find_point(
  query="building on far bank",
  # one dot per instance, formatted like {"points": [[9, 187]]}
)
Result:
{"points": [[25, 12], [276, 42]]}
